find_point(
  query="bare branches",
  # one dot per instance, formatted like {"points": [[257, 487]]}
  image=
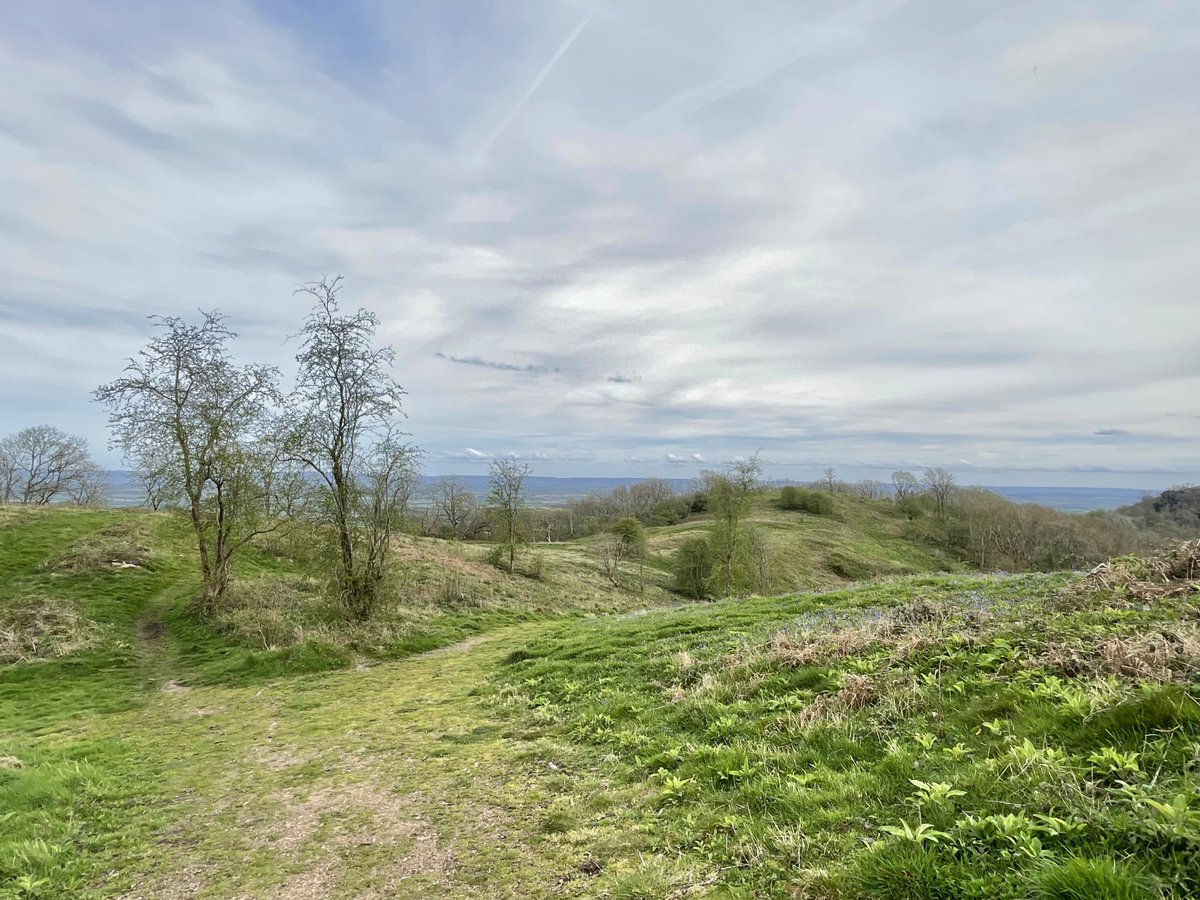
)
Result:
{"points": [[193, 423], [41, 464], [343, 412], [506, 499]]}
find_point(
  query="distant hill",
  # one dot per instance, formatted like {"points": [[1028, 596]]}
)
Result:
{"points": [[1175, 510]]}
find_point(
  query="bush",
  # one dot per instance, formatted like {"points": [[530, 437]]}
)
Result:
{"points": [[814, 502], [693, 566]]}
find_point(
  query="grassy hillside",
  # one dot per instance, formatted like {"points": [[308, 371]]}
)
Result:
{"points": [[572, 743], [928, 737], [860, 539]]}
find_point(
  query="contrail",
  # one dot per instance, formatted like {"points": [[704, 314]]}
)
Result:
{"points": [[537, 82]]}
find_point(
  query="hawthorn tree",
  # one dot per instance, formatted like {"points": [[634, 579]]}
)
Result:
{"points": [[185, 413], [729, 497], [343, 414]]}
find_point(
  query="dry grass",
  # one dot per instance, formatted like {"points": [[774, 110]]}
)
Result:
{"points": [[40, 627], [120, 546], [1171, 572], [906, 629], [1160, 655]]}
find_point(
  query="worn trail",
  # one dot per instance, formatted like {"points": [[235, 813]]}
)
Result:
{"points": [[389, 781]]}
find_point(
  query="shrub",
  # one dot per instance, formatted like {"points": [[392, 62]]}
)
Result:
{"points": [[692, 567], [814, 502]]}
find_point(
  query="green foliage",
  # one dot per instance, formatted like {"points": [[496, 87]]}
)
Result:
{"points": [[1174, 511], [806, 500], [908, 870], [1080, 878], [692, 568]]}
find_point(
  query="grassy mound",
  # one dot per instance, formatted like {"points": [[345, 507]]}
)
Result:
{"points": [[925, 737]]}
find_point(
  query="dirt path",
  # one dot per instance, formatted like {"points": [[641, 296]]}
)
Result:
{"points": [[390, 781]]}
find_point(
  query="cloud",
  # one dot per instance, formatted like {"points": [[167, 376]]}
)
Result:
{"points": [[866, 235], [529, 369], [467, 454]]}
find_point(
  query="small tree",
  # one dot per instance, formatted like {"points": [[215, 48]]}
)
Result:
{"points": [[940, 484], [904, 485], [906, 488], [610, 552], [186, 407], [506, 500], [343, 411], [829, 479], [632, 535], [692, 566], [729, 497]]}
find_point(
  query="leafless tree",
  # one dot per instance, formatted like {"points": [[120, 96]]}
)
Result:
{"points": [[829, 479], [42, 463], [454, 503], [506, 500], [940, 484], [871, 489], [905, 485], [185, 405], [645, 496], [611, 551], [343, 410]]}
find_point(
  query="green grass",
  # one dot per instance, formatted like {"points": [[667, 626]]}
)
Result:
{"points": [[924, 737], [861, 539]]}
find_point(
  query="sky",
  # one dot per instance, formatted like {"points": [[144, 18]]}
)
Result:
{"points": [[631, 238]]}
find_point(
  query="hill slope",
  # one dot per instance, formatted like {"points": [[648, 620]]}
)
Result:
{"points": [[747, 748]]}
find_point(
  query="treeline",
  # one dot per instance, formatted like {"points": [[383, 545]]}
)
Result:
{"points": [[991, 532], [1175, 511]]}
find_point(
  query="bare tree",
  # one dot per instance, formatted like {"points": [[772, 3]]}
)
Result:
{"points": [[905, 485], [184, 405], [506, 500], [343, 408], [871, 489], [829, 479], [611, 551], [42, 463], [940, 484], [454, 503], [8, 471], [645, 496]]}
